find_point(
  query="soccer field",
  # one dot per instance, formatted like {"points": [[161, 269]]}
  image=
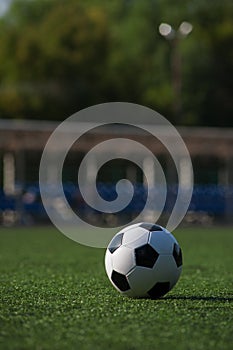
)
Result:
{"points": [[55, 295]]}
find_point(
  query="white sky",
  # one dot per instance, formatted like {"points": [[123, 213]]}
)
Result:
{"points": [[4, 4]]}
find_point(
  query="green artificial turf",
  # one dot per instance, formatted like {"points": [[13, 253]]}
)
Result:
{"points": [[55, 295]]}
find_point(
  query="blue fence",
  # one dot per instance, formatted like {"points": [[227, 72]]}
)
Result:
{"points": [[213, 200]]}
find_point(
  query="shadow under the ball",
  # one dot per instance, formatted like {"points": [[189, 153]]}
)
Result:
{"points": [[195, 297]]}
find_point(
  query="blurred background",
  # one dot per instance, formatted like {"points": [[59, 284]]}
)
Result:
{"points": [[58, 57]]}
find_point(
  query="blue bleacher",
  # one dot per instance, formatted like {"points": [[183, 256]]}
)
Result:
{"points": [[210, 199]]}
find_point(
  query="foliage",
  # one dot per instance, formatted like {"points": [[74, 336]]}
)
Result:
{"points": [[57, 57]]}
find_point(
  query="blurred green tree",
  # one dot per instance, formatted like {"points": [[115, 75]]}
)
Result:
{"points": [[57, 57], [52, 58], [208, 80]]}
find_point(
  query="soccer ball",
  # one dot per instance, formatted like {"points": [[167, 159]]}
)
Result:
{"points": [[143, 260]]}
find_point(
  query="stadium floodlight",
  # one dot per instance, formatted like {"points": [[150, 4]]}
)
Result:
{"points": [[174, 36], [170, 33], [167, 31], [185, 28]]}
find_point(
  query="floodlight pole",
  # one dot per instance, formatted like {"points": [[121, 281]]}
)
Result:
{"points": [[174, 37], [176, 65]]}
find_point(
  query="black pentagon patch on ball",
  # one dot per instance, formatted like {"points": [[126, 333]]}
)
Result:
{"points": [[120, 281], [115, 242], [159, 289], [177, 254], [151, 227], [146, 256]]}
